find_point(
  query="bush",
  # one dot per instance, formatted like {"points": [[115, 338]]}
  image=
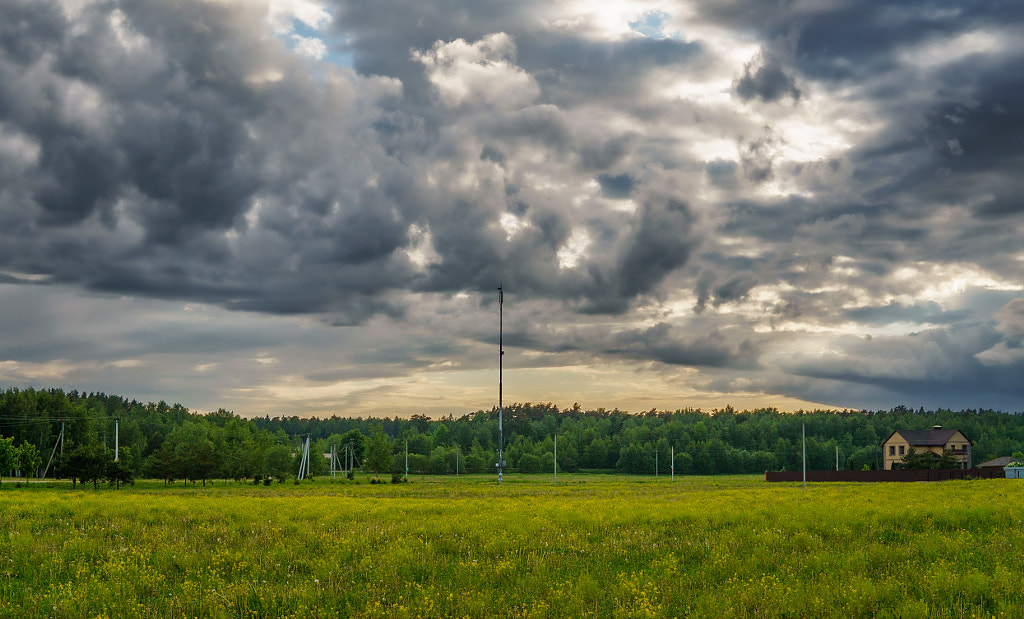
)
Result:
{"points": [[397, 478], [529, 463]]}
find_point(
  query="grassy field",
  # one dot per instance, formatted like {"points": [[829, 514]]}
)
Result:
{"points": [[590, 546]]}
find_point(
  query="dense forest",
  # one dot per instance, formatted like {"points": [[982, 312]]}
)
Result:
{"points": [[72, 435]]}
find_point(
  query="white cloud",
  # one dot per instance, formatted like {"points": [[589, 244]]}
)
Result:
{"points": [[421, 248], [17, 149], [1001, 354], [483, 72], [570, 254], [309, 46], [282, 14]]}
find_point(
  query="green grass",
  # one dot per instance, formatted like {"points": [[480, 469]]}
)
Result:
{"points": [[591, 546]]}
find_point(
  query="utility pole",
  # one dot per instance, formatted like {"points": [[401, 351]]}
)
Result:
{"points": [[803, 431], [837, 457], [304, 460], [60, 441], [407, 461], [501, 357], [673, 463], [117, 455], [655, 462], [556, 459]]}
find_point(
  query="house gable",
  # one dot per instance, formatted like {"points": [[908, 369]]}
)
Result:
{"points": [[935, 441]]}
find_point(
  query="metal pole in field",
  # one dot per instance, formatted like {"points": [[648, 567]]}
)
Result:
{"points": [[837, 457], [501, 355], [556, 459], [116, 439], [59, 441], [407, 460], [803, 430], [655, 462], [673, 463]]}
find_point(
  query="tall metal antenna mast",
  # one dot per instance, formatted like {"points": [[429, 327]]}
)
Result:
{"points": [[501, 357]]}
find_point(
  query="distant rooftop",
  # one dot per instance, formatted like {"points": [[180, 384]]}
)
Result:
{"points": [[998, 463], [930, 438]]}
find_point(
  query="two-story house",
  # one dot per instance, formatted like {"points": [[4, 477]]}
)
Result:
{"points": [[936, 441]]}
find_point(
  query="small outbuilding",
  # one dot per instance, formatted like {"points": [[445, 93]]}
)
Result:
{"points": [[997, 463], [936, 441]]}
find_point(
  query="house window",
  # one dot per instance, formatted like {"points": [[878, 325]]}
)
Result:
{"points": [[963, 448], [901, 450], [892, 450]]}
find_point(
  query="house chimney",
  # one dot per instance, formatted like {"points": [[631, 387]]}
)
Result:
{"points": [[936, 427]]}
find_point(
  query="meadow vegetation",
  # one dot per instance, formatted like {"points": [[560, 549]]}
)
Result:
{"points": [[591, 546]]}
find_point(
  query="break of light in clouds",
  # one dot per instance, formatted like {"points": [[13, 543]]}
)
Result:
{"points": [[305, 206]]}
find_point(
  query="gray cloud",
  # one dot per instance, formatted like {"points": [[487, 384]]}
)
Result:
{"points": [[860, 174], [764, 78]]}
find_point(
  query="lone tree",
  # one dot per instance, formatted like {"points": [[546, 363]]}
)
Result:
{"points": [[28, 459], [86, 463], [162, 463], [8, 456], [378, 452], [277, 462], [117, 473]]}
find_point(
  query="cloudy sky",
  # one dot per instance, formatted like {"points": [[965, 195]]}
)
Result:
{"points": [[306, 206]]}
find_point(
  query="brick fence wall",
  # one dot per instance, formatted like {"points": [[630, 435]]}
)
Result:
{"points": [[926, 475]]}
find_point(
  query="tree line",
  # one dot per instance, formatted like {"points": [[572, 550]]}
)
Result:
{"points": [[71, 435]]}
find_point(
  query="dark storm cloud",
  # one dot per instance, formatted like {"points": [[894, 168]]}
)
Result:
{"points": [[706, 346], [661, 240], [180, 151], [664, 343], [929, 312], [616, 186], [764, 78], [168, 144], [931, 366], [1010, 321], [585, 69], [722, 173]]}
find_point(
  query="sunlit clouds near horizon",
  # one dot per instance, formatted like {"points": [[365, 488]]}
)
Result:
{"points": [[305, 207]]}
